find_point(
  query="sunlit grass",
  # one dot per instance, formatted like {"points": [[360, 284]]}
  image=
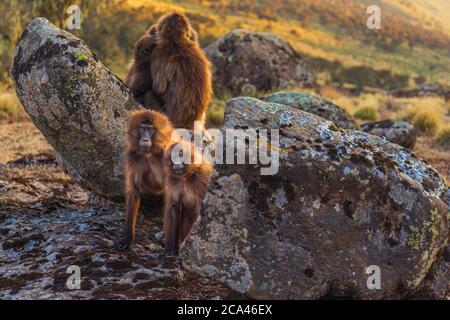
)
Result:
{"points": [[427, 113], [369, 113], [215, 115], [10, 108]]}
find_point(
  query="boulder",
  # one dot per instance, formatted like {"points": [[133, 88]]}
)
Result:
{"points": [[343, 203], [76, 102], [246, 62], [316, 105], [397, 131]]}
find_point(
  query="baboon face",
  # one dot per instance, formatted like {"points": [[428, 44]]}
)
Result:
{"points": [[175, 25], [146, 132]]}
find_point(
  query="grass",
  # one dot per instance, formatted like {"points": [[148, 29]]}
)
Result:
{"points": [[215, 115], [10, 108], [427, 114], [426, 121], [443, 137], [369, 113]]}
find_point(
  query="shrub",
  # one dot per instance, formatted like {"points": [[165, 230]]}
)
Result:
{"points": [[426, 120], [369, 113]]}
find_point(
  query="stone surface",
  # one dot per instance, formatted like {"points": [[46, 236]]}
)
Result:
{"points": [[246, 62], [342, 201], [315, 105], [76, 102], [397, 131], [437, 282]]}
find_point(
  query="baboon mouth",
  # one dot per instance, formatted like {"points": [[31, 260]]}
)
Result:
{"points": [[178, 171]]}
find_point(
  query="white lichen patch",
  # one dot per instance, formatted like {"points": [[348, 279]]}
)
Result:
{"points": [[403, 196], [279, 198]]}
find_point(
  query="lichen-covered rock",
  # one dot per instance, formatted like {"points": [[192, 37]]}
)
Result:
{"points": [[342, 201], [436, 285], [396, 131], [76, 102], [315, 105], [245, 62]]}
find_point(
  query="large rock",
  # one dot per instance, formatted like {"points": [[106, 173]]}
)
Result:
{"points": [[316, 105], [77, 103], [397, 131], [247, 62], [342, 201]]}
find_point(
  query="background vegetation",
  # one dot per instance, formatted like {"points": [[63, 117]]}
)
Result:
{"points": [[413, 45]]}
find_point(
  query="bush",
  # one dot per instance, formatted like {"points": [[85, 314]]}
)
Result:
{"points": [[426, 120], [443, 137], [369, 113]]}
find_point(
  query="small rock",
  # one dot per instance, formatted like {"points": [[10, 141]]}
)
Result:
{"points": [[400, 132]]}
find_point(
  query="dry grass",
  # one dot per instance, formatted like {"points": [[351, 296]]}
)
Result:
{"points": [[427, 114], [215, 115], [20, 139], [369, 113], [426, 120], [10, 108], [443, 137]]}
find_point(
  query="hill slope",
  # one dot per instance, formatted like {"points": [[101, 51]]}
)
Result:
{"points": [[414, 39]]}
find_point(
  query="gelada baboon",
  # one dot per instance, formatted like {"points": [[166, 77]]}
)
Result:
{"points": [[139, 78], [149, 133], [180, 71], [185, 186]]}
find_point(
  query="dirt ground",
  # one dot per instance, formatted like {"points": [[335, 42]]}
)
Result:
{"points": [[20, 139]]}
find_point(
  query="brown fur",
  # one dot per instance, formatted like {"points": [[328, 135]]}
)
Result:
{"points": [[139, 78], [180, 71], [143, 169], [183, 197]]}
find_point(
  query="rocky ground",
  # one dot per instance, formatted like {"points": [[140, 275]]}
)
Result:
{"points": [[48, 223]]}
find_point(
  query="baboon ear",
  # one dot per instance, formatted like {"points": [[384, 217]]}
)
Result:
{"points": [[152, 30]]}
